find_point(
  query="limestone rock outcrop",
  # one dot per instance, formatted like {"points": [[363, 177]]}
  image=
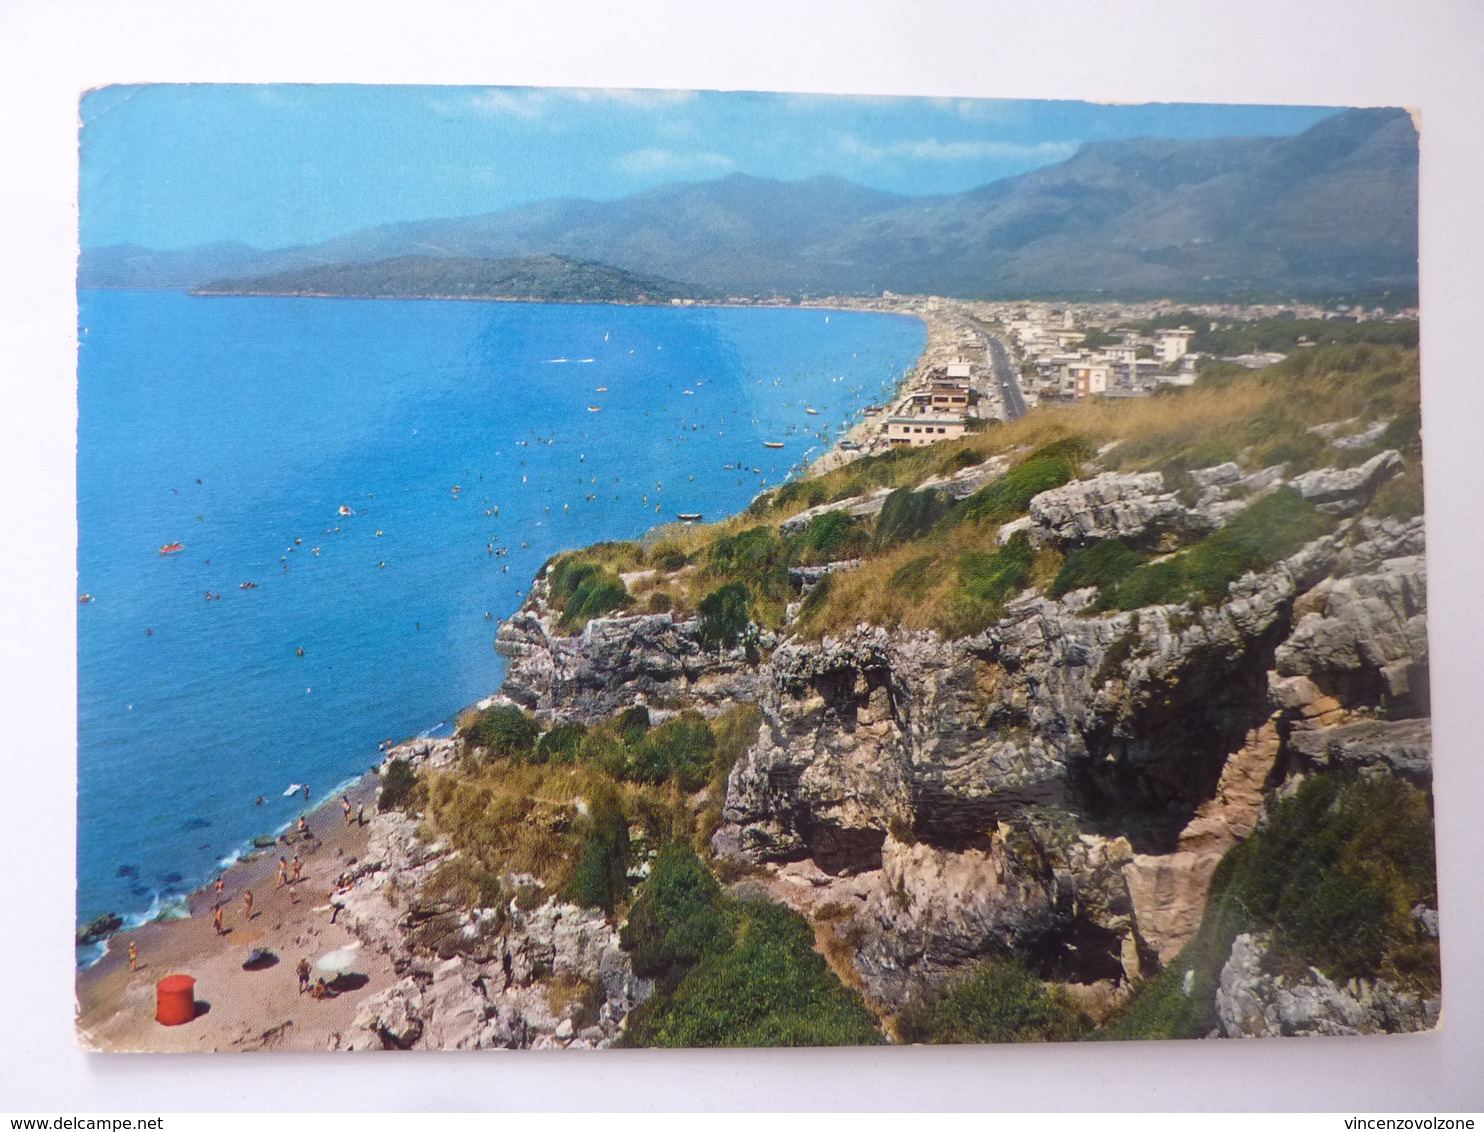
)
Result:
{"points": [[1130, 505], [1252, 1003], [1344, 491], [615, 662]]}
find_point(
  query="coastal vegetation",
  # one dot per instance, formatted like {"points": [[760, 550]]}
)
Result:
{"points": [[729, 971], [618, 814], [997, 1000], [585, 813], [1333, 878], [1270, 529], [929, 560]]}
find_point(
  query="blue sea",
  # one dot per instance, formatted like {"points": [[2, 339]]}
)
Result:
{"points": [[451, 431]]}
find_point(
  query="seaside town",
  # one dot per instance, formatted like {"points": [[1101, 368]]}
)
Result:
{"points": [[341, 980], [994, 361]]}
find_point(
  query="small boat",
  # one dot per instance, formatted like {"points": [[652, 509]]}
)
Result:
{"points": [[602, 389], [248, 586], [595, 408], [688, 516], [344, 510], [84, 599], [772, 444], [812, 412], [172, 548]]}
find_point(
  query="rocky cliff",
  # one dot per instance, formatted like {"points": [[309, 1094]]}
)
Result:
{"points": [[1060, 785]]}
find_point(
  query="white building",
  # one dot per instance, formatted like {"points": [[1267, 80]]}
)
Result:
{"points": [[1169, 345], [918, 431]]}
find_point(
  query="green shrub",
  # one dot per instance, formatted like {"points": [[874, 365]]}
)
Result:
{"points": [[668, 557], [505, 730], [753, 552], [1337, 872], [769, 987], [1274, 527], [1102, 564], [632, 724], [1010, 495], [398, 782], [560, 744], [999, 1001], [1334, 876], [986, 580], [906, 515], [677, 916], [725, 614], [600, 878], [828, 537], [583, 590], [660, 602], [679, 750]]}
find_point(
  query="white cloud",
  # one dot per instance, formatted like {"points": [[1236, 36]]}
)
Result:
{"points": [[528, 104], [930, 149], [645, 99], [531, 103], [647, 161]]}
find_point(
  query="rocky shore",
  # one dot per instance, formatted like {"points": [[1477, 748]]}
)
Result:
{"points": [[1061, 784]]}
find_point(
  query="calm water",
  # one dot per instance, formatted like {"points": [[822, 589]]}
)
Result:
{"points": [[237, 426]]}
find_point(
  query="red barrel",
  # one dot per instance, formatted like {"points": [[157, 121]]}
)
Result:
{"points": [[175, 1000]]}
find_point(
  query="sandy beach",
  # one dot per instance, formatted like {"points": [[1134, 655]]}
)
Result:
{"points": [[242, 1009]]}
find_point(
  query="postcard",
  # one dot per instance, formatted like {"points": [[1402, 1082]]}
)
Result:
{"points": [[567, 568]]}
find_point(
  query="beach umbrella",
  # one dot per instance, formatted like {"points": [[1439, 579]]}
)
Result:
{"points": [[338, 961]]}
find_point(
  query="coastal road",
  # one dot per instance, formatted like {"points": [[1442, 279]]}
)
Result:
{"points": [[1003, 374]]}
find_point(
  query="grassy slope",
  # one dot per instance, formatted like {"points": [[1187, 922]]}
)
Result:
{"points": [[951, 573]]}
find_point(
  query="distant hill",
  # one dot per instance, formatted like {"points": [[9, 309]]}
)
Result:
{"points": [[1331, 209], [543, 278]]}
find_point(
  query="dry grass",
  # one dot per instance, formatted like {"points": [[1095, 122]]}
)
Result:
{"points": [[1256, 418]]}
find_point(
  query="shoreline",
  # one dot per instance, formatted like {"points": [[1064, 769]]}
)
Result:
{"points": [[115, 1007], [245, 1009]]}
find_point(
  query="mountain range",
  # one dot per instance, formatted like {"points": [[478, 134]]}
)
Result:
{"points": [[1331, 209]]}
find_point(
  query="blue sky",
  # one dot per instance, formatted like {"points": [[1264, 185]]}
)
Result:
{"points": [[172, 165]]}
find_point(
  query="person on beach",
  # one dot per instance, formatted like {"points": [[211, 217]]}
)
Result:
{"points": [[216, 919], [221, 883], [283, 871], [345, 805], [133, 956], [247, 904], [336, 906], [298, 869], [303, 975], [306, 792], [293, 895], [303, 826]]}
